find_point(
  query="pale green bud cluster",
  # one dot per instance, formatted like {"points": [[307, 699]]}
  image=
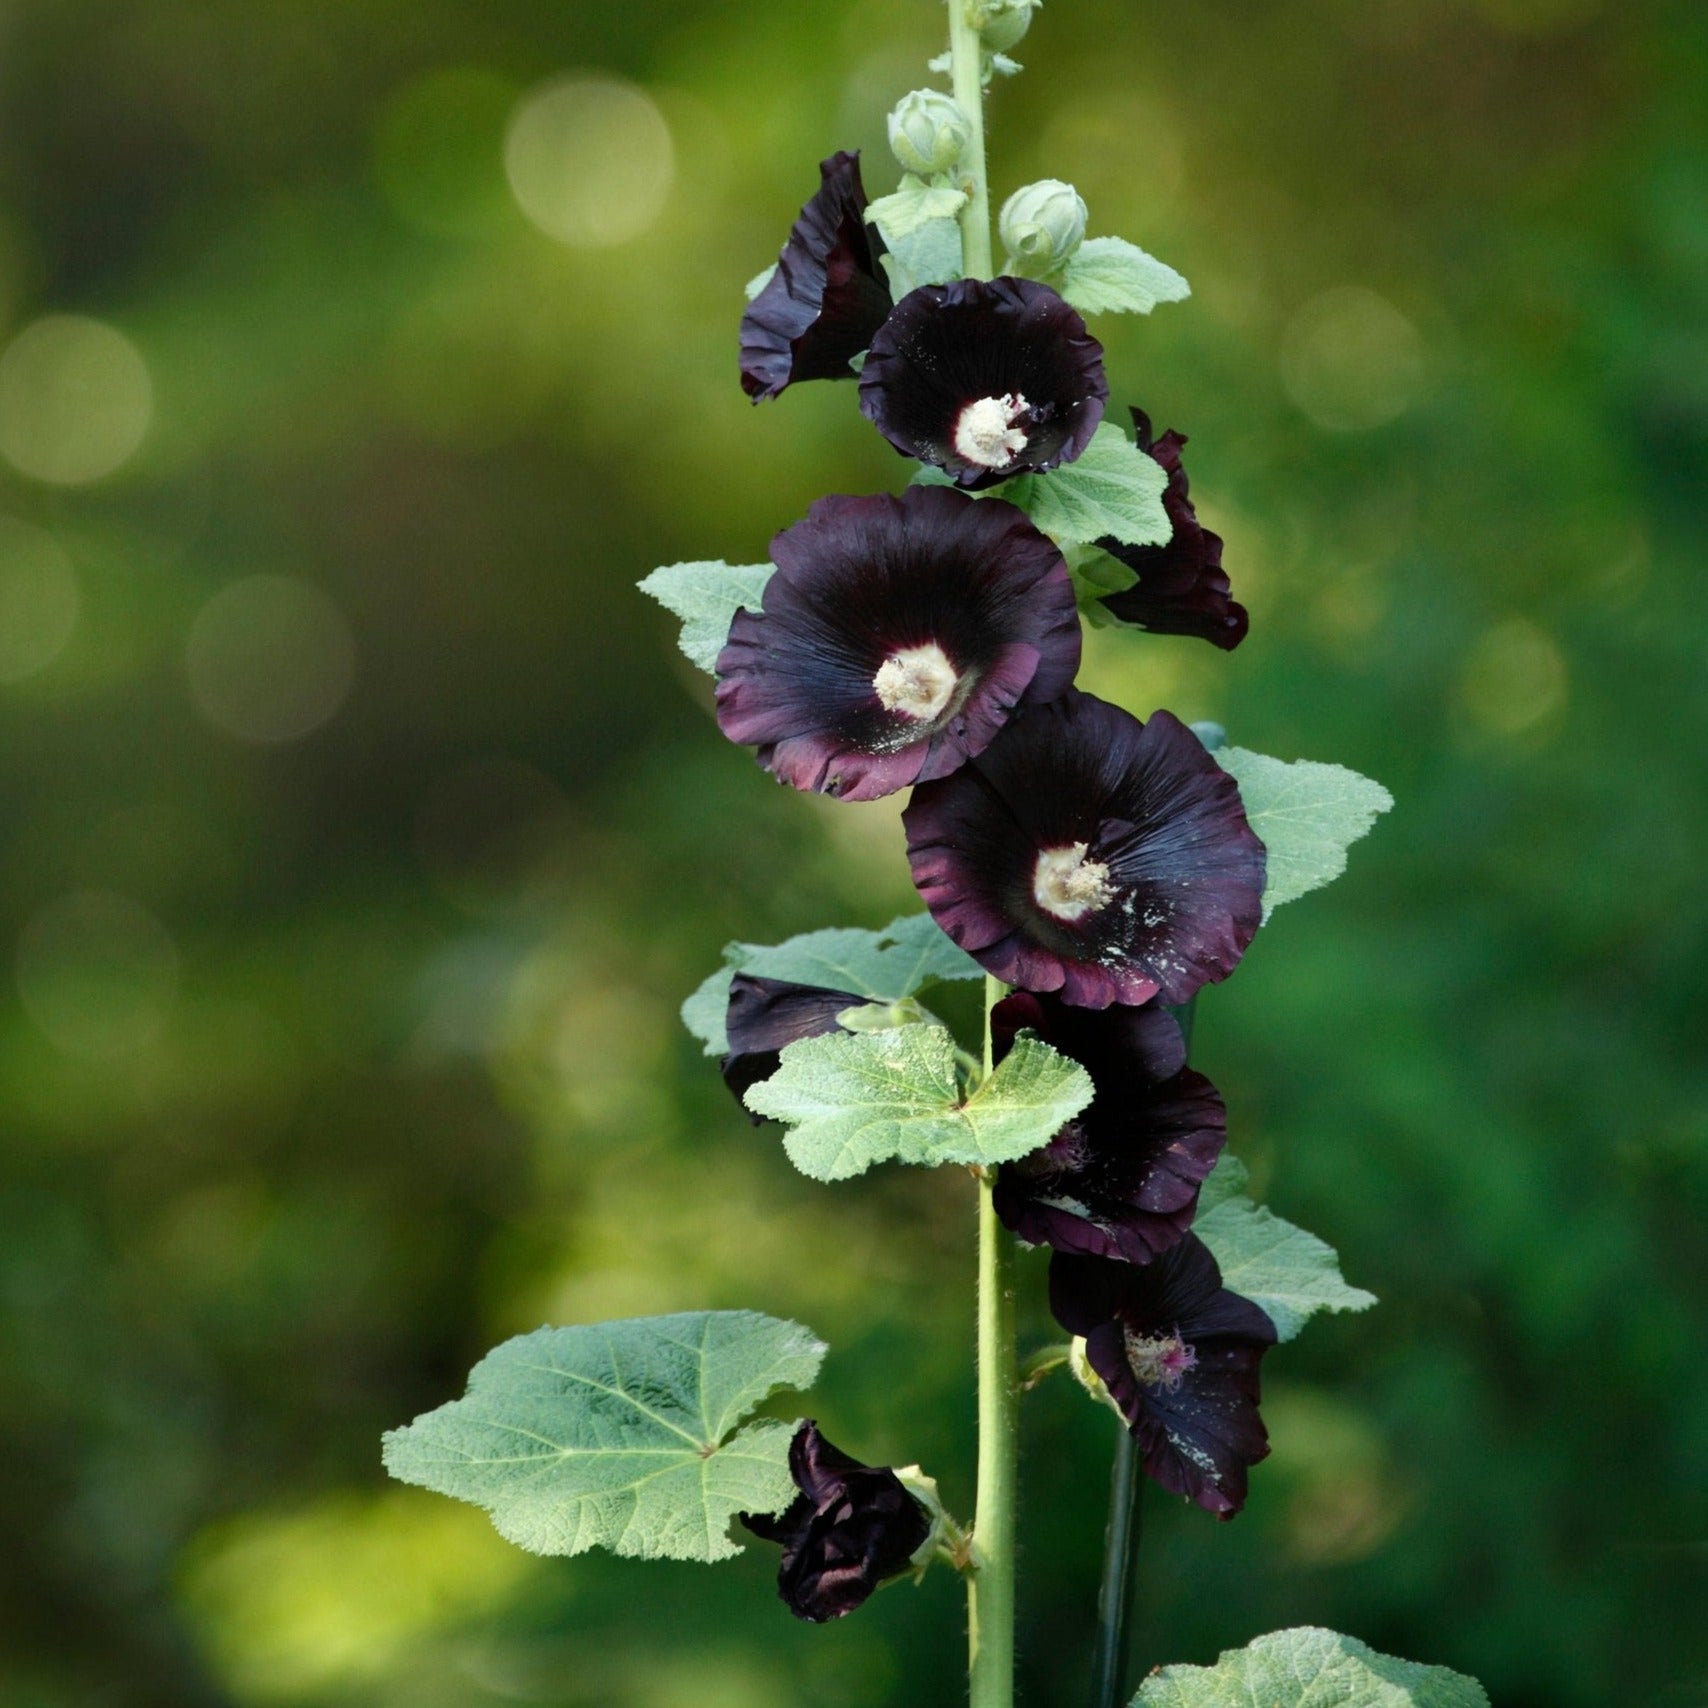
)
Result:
{"points": [[1042, 224], [1001, 23], [928, 132]]}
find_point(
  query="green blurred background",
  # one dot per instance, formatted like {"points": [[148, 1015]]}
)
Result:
{"points": [[362, 828]]}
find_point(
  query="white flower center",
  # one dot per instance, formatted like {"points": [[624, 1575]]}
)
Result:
{"points": [[985, 432], [1068, 885], [1159, 1361], [918, 681]]}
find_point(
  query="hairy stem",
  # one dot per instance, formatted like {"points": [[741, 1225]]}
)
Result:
{"points": [[990, 1593], [966, 65]]}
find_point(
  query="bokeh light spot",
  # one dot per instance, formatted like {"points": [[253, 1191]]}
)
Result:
{"points": [[269, 658], [1350, 360], [437, 148], [590, 160], [75, 400], [1515, 680], [97, 973], [39, 599]]}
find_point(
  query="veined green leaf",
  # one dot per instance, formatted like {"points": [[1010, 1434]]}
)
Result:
{"points": [[1109, 275], [1111, 490], [706, 596]]}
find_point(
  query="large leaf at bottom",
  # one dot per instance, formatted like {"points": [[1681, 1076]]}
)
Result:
{"points": [[619, 1435], [1309, 1668]]}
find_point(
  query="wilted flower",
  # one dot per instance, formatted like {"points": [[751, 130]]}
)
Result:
{"points": [[985, 378], [896, 636], [828, 295], [1087, 853], [767, 1015], [1182, 588], [849, 1528], [1179, 1355]]}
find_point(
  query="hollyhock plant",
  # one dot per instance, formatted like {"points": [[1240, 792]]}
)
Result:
{"points": [[985, 379], [1182, 588], [828, 295], [1121, 1179], [1179, 1355], [764, 1016], [1089, 853], [850, 1527], [897, 635]]}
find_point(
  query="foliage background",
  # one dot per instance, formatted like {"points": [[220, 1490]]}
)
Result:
{"points": [[347, 913]]}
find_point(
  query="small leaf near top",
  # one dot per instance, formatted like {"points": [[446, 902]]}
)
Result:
{"points": [[619, 1435], [1109, 275], [1307, 814], [1309, 1668], [1111, 491], [706, 596], [914, 205]]}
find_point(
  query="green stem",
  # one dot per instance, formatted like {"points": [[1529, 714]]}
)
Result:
{"points": [[966, 70], [990, 1593]]}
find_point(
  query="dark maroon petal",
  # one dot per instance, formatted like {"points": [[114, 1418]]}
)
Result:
{"points": [[866, 587], [851, 1526], [1179, 1355], [828, 295], [1114, 1045], [974, 345], [1182, 589], [1139, 817], [767, 1014]]}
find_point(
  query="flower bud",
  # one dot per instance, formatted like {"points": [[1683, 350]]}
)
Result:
{"points": [[1003, 22], [1042, 224], [928, 131]]}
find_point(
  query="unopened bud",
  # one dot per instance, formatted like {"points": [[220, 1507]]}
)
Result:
{"points": [[928, 131], [1003, 22], [1042, 224]]}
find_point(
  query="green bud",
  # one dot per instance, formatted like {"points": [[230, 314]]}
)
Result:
{"points": [[1042, 224], [1003, 22], [928, 132]]}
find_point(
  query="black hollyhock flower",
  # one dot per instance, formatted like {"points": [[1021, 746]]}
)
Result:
{"points": [[828, 295], [1121, 1179], [1088, 853], [849, 1528], [897, 635], [1179, 1355], [985, 379], [1182, 588], [767, 1014]]}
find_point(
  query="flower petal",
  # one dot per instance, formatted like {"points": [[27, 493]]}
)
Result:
{"points": [[765, 1015]]}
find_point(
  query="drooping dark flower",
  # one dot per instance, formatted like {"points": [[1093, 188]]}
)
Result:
{"points": [[1182, 588], [897, 635], [1087, 853], [764, 1016], [1179, 1355], [985, 378], [849, 1528], [828, 295], [1121, 1179]]}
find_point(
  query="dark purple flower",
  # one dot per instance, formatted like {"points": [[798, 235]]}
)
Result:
{"points": [[1182, 588], [767, 1014], [849, 1528], [1087, 853], [1121, 1179], [1179, 1355], [986, 379], [828, 295], [897, 635]]}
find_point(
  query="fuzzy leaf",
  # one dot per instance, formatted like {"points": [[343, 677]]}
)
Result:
{"points": [[1109, 275], [758, 282], [921, 233], [1309, 1668], [1290, 1273], [1307, 813], [914, 205], [619, 1435], [1111, 489], [881, 966], [857, 1099], [706, 596]]}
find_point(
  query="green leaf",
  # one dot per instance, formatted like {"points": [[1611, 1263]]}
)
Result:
{"points": [[706, 596], [1309, 1668], [921, 233], [913, 206], [881, 966], [1109, 275], [619, 1435], [1290, 1273], [758, 282], [1307, 813], [854, 1100], [1111, 489]]}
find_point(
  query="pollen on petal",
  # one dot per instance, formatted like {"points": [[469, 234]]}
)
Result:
{"points": [[1068, 885], [985, 431], [918, 681]]}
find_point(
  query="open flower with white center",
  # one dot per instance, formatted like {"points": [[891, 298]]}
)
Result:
{"points": [[896, 637], [1179, 1354], [1088, 853], [986, 379]]}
